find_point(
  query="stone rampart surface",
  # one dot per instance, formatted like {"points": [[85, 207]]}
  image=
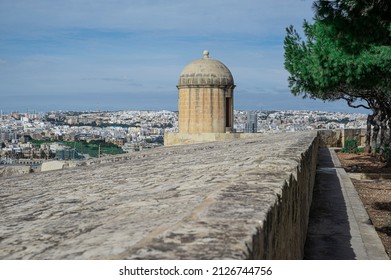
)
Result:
{"points": [[12, 170], [174, 138], [234, 199]]}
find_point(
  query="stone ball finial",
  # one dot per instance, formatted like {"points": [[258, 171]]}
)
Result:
{"points": [[206, 54]]}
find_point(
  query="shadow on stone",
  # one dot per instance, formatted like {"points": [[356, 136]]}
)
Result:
{"points": [[386, 206], [328, 236], [385, 229]]}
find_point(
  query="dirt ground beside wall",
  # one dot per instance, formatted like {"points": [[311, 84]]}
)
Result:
{"points": [[375, 193]]}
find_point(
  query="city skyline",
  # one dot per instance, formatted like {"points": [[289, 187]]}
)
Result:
{"points": [[119, 55]]}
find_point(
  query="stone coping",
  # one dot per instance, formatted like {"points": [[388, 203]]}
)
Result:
{"points": [[202, 201]]}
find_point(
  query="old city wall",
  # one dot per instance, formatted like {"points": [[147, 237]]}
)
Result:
{"points": [[233, 199], [337, 137], [330, 138]]}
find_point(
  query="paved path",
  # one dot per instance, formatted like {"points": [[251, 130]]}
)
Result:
{"points": [[339, 227]]}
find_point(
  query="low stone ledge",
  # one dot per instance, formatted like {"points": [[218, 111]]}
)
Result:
{"points": [[234, 199], [12, 170]]}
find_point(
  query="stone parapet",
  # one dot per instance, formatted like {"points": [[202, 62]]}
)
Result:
{"points": [[337, 137], [12, 170], [233, 199], [177, 138]]}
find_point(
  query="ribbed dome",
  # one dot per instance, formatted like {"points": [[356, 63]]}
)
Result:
{"points": [[206, 72]]}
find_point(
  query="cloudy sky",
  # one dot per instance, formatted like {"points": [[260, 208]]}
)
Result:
{"points": [[128, 54]]}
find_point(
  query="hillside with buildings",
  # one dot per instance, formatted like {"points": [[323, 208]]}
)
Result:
{"points": [[66, 135], [48, 135]]}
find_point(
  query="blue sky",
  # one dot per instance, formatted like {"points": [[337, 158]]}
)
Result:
{"points": [[128, 54]]}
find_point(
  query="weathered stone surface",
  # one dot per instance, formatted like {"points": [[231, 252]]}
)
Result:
{"points": [[12, 170], [174, 138], [330, 138], [336, 138], [236, 199]]}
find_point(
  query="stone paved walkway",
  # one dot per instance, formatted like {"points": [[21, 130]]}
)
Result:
{"points": [[339, 227]]}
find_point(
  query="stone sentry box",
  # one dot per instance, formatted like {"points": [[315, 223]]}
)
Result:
{"points": [[205, 97], [205, 104]]}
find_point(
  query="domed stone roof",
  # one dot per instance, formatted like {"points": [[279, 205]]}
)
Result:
{"points": [[206, 72]]}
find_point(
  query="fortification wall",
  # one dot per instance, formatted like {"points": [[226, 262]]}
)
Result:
{"points": [[12, 170], [337, 137], [233, 199]]}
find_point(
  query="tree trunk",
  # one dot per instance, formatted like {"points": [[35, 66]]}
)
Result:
{"points": [[368, 134], [375, 133], [388, 156], [383, 128]]}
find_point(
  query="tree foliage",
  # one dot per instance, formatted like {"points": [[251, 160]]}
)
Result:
{"points": [[346, 54]]}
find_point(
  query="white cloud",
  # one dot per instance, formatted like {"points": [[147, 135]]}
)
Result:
{"points": [[84, 46], [178, 16]]}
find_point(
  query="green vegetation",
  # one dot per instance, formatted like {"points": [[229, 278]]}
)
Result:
{"points": [[91, 148], [350, 146], [384, 153], [40, 142], [346, 55], [348, 46]]}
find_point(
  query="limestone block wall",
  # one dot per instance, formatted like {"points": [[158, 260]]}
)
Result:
{"points": [[203, 109], [358, 134], [330, 138], [12, 170], [233, 199], [336, 138], [284, 231]]}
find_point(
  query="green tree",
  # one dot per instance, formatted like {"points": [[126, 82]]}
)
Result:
{"points": [[346, 55]]}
